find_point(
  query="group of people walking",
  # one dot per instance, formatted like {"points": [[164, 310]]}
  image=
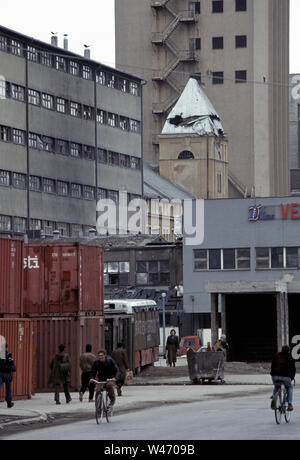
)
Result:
{"points": [[106, 367]]}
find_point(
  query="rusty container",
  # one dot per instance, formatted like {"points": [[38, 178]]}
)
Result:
{"points": [[11, 263], [63, 279], [20, 336], [75, 333]]}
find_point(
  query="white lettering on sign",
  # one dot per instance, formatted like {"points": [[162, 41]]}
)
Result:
{"points": [[31, 262], [69, 255]]}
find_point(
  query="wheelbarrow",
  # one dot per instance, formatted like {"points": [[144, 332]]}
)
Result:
{"points": [[206, 366]]}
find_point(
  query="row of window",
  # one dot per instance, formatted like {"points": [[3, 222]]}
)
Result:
{"points": [[56, 187], [239, 259], [9, 224], [63, 147], [217, 6], [147, 273], [218, 77], [218, 42], [68, 65], [68, 107]]}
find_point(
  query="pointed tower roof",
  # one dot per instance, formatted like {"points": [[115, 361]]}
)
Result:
{"points": [[193, 113]]}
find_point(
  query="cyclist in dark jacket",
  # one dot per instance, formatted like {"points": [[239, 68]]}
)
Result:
{"points": [[7, 367], [283, 369], [106, 368]]}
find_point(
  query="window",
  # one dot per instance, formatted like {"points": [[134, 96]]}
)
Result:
{"points": [[134, 126], [75, 109], [87, 72], [102, 155], [48, 227], [60, 63], [221, 259], [262, 258], [18, 136], [47, 101], [243, 259], [46, 58], [217, 78], [101, 117], [116, 273], [101, 194], [111, 119], [63, 228], [20, 225], [62, 188], [35, 141], [123, 85], [240, 76], [75, 150], [195, 44], [4, 178], [76, 191], [124, 160], [5, 223], [111, 80], [214, 259], [2, 88], [101, 78], [76, 230], [19, 180], [88, 192], [219, 183], [240, 5], [194, 7], [61, 105], [16, 48], [217, 6], [276, 257], [74, 68], [32, 54], [88, 152], [113, 195], [18, 92], [218, 43], [48, 185], [292, 258], [133, 88], [135, 163], [35, 224], [4, 133], [186, 155], [88, 112], [62, 147], [113, 158], [34, 97], [241, 41], [3, 43], [124, 123], [153, 272], [34, 183], [48, 143]]}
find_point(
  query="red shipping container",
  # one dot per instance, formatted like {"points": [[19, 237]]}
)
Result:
{"points": [[20, 336], [11, 276], [63, 278], [75, 334]]}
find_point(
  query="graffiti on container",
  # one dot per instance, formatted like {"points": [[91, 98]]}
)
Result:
{"points": [[21, 333], [31, 262], [2, 347]]}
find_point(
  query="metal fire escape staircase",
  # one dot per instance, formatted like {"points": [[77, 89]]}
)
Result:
{"points": [[163, 39]]}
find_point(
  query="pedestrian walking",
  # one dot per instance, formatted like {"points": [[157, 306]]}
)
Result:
{"points": [[172, 347], [7, 368], [60, 373], [87, 360], [121, 359]]}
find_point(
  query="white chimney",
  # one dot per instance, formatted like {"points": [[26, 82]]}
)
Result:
{"points": [[87, 52], [66, 42], [54, 39]]}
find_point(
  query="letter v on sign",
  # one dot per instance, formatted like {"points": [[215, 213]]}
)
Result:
{"points": [[284, 210]]}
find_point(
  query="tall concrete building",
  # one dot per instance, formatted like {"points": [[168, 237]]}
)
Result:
{"points": [[240, 48], [70, 134]]}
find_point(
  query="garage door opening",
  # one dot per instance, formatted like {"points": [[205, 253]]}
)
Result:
{"points": [[294, 315], [251, 326]]}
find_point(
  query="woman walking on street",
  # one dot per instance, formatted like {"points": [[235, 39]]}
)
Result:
{"points": [[172, 347]]}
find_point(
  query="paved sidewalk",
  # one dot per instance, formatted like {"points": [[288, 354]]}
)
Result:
{"points": [[136, 397]]}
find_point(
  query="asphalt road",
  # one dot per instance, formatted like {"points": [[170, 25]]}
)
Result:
{"points": [[238, 418]]}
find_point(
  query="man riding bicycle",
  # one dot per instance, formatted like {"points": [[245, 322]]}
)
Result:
{"points": [[283, 369], [106, 369]]}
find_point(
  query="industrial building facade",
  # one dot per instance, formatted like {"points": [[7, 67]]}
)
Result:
{"points": [[240, 48], [70, 134], [247, 271]]}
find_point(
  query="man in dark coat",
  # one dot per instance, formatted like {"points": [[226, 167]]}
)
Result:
{"points": [[283, 369], [7, 367], [106, 368], [120, 357], [87, 360], [172, 348], [60, 373]]}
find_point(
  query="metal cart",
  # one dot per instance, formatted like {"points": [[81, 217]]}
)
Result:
{"points": [[206, 366]]}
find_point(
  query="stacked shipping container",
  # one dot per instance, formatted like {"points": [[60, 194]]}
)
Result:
{"points": [[11, 266]]}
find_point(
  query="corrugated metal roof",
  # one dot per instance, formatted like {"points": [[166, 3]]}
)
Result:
{"points": [[193, 114]]}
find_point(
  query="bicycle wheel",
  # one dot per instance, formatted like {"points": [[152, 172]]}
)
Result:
{"points": [[287, 413], [99, 408], [278, 407]]}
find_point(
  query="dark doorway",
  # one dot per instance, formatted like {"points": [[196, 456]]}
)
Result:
{"points": [[251, 326], [294, 315]]}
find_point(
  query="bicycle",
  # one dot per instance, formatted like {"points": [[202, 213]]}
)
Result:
{"points": [[102, 402], [281, 403]]}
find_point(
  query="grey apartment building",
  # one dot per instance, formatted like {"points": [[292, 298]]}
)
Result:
{"points": [[70, 134], [240, 48], [246, 273]]}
